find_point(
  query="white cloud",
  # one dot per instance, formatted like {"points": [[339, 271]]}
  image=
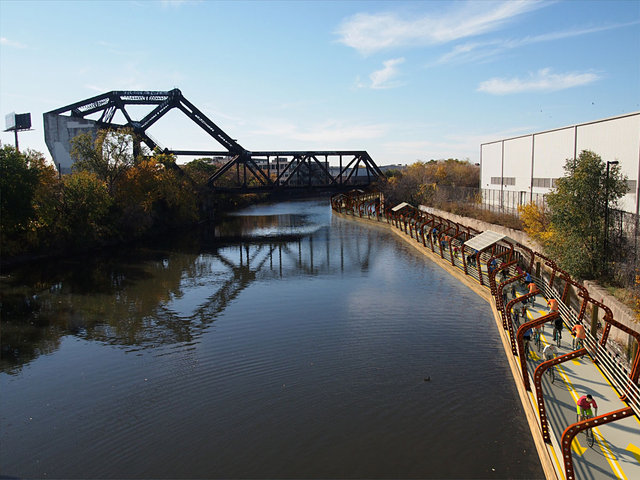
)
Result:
{"points": [[386, 77], [5, 42], [541, 81], [369, 33], [477, 51]]}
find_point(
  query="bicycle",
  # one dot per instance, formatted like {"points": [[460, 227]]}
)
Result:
{"points": [[557, 335], [589, 431], [577, 343], [552, 373], [536, 339]]}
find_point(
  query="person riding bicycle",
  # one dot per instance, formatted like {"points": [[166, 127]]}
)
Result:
{"points": [[527, 339], [584, 405], [533, 288], [553, 305], [550, 352], [579, 332], [557, 327]]}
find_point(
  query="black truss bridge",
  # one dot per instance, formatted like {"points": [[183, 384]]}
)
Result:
{"points": [[240, 170]]}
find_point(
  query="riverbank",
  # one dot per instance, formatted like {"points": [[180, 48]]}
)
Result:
{"points": [[545, 452]]}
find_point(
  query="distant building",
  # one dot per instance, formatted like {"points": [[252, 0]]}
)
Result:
{"points": [[517, 170]]}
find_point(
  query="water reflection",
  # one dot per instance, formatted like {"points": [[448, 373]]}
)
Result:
{"points": [[287, 353], [146, 298]]}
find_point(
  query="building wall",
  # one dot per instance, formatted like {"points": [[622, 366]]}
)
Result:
{"points": [[530, 163]]}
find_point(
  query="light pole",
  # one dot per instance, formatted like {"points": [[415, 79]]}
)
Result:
{"points": [[606, 216]]}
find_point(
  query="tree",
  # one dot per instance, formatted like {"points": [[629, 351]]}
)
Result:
{"points": [[155, 194], [108, 155], [27, 184], [18, 184], [576, 214], [85, 207], [431, 183]]}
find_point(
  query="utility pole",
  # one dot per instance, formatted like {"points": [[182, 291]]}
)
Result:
{"points": [[605, 253]]}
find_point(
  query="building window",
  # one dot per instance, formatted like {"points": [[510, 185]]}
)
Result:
{"points": [[542, 182], [509, 180], [496, 181], [631, 186]]}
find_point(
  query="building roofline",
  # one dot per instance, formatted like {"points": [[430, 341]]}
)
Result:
{"points": [[631, 114]]}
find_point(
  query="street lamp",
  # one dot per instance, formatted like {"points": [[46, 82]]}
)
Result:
{"points": [[606, 214]]}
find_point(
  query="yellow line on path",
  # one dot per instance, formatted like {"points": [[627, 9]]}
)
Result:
{"points": [[609, 455], [602, 443], [635, 451]]}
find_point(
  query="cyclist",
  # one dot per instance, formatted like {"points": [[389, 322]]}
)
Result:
{"points": [[527, 339], [537, 331], [584, 405], [557, 328], [533, 288], [550, 352], [553, 305], [579, 333]]}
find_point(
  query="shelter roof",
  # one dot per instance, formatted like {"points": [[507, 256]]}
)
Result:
{"points": [[400, 206], [485, 240]]}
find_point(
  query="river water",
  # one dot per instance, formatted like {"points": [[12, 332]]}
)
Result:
{"points": [[284, 343]]}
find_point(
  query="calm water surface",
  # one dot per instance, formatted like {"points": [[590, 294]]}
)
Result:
{"points": [[285, 343]]}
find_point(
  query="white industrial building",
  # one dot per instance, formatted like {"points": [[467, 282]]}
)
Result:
{"points": [[518, 170]]}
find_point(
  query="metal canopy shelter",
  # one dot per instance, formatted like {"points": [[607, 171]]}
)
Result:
{"points": [[400, 206], [485, 240]]}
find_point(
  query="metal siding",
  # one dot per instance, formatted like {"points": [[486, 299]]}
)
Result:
{"points": [[551, 151], [517, 162], [616, 138], [491, 164]]}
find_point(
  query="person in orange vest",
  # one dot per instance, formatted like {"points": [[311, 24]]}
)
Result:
{"points": [[533, 288], [579, 333]]}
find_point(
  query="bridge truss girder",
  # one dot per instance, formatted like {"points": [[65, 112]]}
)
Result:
{"points": [[303, 169], [111, 102]]}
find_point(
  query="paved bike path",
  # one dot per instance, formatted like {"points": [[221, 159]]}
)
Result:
{"points": [[616, 451]]}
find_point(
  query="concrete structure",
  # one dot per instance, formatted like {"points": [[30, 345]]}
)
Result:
{"points": [[58, 132], [520, 167]]}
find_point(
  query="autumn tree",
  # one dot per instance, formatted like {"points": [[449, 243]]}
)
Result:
{"points": [[85, 208], [572, 231], [18, 184], [27, 200], [109, 154], [431, 182]]}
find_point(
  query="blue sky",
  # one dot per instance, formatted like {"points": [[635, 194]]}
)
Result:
{"points": [[406, 81]]}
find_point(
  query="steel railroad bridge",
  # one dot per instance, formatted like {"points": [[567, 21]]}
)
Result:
{"points": [[242, 170]]}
